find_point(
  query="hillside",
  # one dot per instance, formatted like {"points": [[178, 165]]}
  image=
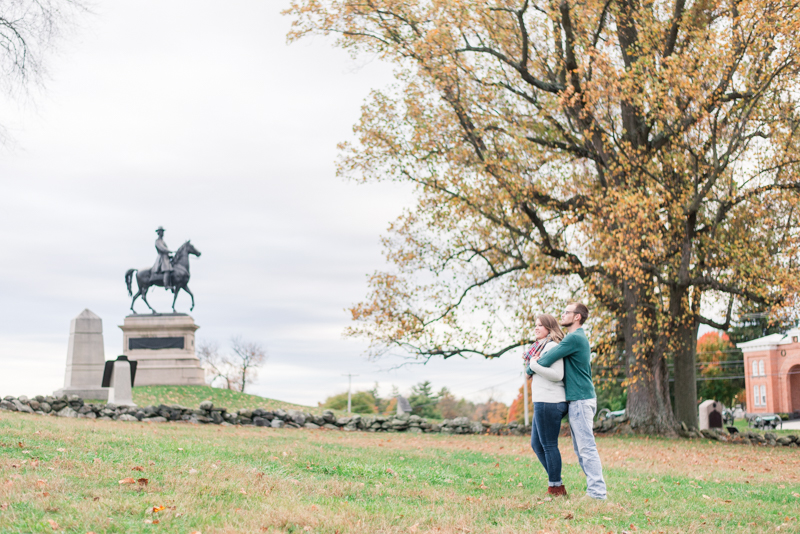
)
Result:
{"points": [[192, 396]]}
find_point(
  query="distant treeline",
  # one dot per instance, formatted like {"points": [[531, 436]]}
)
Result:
{"points": [[424, 402]]}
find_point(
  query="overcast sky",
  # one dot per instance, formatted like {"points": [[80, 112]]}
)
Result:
{"points": [[199, 117]]}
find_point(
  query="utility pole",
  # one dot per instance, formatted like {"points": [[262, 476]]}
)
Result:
{"points": [[349, 389]]}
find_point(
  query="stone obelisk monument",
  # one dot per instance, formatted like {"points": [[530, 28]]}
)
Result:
{"points": [[85, 358]]}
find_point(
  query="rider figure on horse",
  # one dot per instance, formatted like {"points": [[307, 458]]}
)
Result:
{"points": [[163, 264]]}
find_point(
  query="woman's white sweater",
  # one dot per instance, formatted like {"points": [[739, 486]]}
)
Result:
{"points": [[547, 383]]}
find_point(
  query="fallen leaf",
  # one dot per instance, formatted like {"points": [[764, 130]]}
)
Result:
{"points": [[569, 515], [156, 521], [128, 480], [4, 506], [95, 498], [61, 449], [413, 528], [41, 483], [607, 518], [34, 463], [142, 481], [137, 468], [53, 524], [706, 497], [519, 485], [98, 460], [157, 509], [45, 494], [193, 471]]}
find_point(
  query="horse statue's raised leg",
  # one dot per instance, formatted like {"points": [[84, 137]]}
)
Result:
{"points": [[186, 288]]}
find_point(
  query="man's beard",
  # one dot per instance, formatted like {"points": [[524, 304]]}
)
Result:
{"points": [[566, 324]]}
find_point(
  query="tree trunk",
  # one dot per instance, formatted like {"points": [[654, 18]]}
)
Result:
{"points": [[685, 368], [649, 408]]}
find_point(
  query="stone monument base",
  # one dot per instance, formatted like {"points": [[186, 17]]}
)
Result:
{"points": [[85, 393], [163, 346]]}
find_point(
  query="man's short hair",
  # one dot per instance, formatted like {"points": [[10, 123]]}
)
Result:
{"points": [[581, 310]]}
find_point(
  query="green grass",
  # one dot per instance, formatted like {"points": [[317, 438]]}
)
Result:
{"points": [[192, 396], [214, 479]]}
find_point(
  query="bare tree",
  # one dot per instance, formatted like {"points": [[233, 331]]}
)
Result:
{"points": [[237, 368], [29, 29], [248, 357]]}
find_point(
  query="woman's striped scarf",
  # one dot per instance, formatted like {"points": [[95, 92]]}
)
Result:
{"points": [[536, 349]]}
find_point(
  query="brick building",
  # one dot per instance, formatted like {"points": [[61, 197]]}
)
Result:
{"points": [[772, 373]]}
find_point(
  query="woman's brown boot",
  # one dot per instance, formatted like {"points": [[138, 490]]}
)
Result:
{"points": [[557, 491]]}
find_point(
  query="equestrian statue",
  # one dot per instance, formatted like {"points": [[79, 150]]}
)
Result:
{"points": [[170, 271]]}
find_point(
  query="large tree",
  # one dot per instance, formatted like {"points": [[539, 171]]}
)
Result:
{"points": [[641, 156]]}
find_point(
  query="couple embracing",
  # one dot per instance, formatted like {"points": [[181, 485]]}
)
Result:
{"points": [[561, 384]]}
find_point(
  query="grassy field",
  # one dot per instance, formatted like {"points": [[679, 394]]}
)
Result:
{"points": [[192, 396], [64, 475]]}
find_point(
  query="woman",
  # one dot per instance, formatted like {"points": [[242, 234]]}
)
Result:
{"points": [[549, 400]]}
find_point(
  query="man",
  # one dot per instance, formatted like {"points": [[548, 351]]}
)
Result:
{"points": [[575, 351], [162, 265]]}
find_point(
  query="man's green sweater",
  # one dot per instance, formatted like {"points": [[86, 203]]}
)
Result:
{"points": [[574, 348]]}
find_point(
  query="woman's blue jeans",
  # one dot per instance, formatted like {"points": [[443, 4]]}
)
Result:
{"points": [[547, 418]]}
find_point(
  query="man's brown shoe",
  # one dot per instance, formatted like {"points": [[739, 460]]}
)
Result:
{"points": [[557, 491]]}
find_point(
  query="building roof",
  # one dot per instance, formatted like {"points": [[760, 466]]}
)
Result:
{"points": [[770, 341]]}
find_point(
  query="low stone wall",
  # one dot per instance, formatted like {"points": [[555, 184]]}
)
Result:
{"points": [[207, 413], [620, 425]]}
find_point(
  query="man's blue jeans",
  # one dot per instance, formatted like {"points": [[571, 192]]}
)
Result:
{"points": [[546, 425], [581, 418]]}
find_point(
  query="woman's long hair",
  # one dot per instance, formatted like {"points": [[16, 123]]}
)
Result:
{"points": [[550, 322]]}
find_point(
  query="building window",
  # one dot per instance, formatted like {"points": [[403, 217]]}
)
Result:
{"points": [[763, 395], [756, 396], [755, 368], [761, 368]]}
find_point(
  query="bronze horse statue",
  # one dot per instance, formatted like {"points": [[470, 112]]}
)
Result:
{"points": [[180, 277]]}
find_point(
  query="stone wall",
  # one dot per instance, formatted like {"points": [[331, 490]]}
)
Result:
{"points": [[207, 413], [620, 426]]}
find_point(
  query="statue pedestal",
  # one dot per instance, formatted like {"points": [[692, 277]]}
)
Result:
{"points": [[163, 344]]}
